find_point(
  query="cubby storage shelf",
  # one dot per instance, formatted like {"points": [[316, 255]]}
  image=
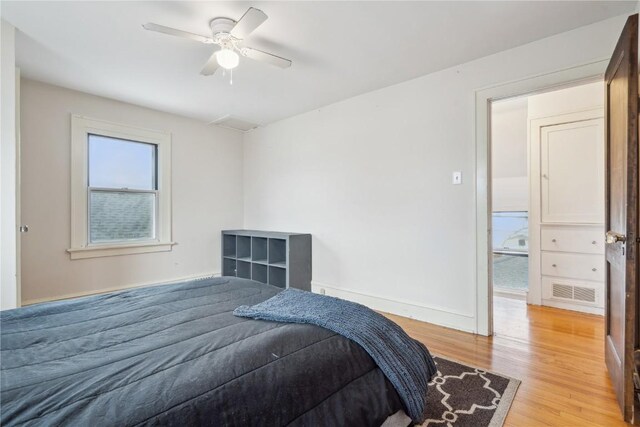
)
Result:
{"points": [[279, 259], [282, 264], [243, 269], [229, 246], [278, 276], [243, 247]]}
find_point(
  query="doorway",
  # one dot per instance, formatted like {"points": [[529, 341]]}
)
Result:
{"points": [[586, 73], [547, 161]]}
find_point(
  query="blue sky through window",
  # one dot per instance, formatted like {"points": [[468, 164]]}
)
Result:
{"points": [[118, 163]]}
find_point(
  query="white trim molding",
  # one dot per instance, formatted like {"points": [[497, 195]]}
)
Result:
{"points": [[597, 311], [9, 170], [555, 80], [440, 316], [81, 127], [510, 293], [121, 288], [102, 251]]}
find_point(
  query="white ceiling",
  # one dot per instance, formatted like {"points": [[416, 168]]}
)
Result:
{"points": [[339, 49]]}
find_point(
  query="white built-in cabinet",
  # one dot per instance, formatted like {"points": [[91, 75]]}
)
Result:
{"points": [[572, 172], [567, 211]]}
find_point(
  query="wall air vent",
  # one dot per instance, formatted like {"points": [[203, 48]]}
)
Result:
{"points": [[575, 293], [232, 122], [584, 294], [562, 291]]}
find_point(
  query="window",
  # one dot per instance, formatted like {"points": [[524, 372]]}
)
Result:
{"points": [[510, 232], [120, 189]]}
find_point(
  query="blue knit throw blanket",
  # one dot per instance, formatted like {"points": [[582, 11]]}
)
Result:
{"points": [[404, 361]]}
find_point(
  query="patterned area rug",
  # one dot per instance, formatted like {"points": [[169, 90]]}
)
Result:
{"points": [[462, 395]]}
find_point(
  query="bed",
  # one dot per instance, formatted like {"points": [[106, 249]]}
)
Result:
{"points": [[176, 355]]}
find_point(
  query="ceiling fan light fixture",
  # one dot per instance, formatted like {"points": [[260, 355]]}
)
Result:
{"points": [[227, 58]]}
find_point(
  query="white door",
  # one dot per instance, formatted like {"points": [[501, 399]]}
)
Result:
{"points": [[572, 172]]}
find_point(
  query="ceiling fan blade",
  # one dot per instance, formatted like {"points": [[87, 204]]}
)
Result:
{"points": [[261, 56], [178, 33], [211, 66], [251, 20]]}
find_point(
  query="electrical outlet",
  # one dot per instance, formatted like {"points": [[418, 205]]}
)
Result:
{"points": [[457, 178]]}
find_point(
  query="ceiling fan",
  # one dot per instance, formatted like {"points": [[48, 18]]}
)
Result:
{"points": [[228, 36]]}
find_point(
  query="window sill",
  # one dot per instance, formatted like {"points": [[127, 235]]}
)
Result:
{"points": [[104, 251]]}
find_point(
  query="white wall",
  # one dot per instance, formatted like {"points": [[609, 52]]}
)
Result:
{"points": [[207, 195], [510, 183], [569, 100], [9, 292], [370, 177]]}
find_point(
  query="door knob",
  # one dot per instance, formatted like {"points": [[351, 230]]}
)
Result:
{"points": [[613, 237]]}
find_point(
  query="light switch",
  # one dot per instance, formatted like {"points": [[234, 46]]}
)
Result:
{"points": [[457, 178]]}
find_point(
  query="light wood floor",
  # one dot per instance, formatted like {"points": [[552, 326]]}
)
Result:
{"points": [[557, 354]]}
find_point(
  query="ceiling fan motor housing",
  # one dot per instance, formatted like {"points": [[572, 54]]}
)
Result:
{"points": [[222, 26]]}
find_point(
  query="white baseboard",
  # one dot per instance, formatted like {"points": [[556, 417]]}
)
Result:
{"points": [[119, 288], [506, 293], [573, 307], [435, 315]]}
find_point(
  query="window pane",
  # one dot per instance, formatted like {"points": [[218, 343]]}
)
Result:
{"points": [[119, 216], [510, 232], [118, 163]]}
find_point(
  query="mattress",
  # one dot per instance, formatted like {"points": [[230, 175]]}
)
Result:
{"points": [[175, 355]]}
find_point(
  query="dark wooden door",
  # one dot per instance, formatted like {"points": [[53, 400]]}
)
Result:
{"points": [[621, 221]]}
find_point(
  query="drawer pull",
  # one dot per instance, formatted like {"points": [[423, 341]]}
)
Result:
{"points": [[553, 265], [594, 243], [594, 269], [553, 240]]}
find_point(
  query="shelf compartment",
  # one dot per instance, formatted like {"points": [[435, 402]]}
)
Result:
{"points": [[243, 269], [259, 249], [277, 276], [279, 264], [259, 272], [243, 247], [228, 267], [229, 245], [277, 251]]}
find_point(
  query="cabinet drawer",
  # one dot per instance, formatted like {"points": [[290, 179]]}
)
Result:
{"points": [[576, 266], [569, 239]]}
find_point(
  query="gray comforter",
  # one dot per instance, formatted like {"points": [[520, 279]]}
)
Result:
{"points": [[175, 355], [404, 361]]}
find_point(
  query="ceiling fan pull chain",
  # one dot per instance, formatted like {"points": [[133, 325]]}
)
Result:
{"points": [[231, 77]]}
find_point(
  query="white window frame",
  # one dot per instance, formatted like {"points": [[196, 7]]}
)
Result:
{"points": [[80, 248]]}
